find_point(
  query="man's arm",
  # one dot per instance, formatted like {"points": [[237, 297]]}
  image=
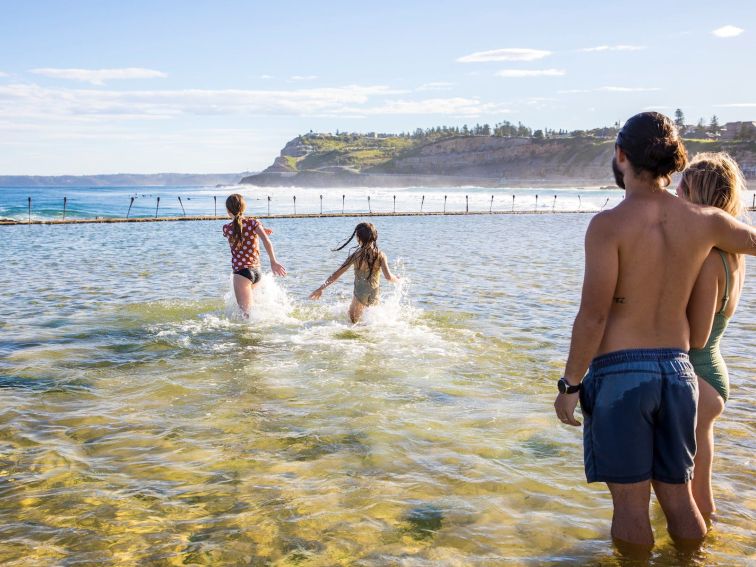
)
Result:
{"points": [[599, 284], [731, 235]]}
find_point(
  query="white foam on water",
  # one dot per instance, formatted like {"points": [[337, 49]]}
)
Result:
{"points": [[393, 325], [271, 303]]}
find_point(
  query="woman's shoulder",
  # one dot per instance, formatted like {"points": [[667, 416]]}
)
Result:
{"points": [[250, 222]]}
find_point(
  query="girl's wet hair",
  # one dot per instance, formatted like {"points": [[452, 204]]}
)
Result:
{"points": [[651, 143], [367, 236], [714, 179], [236, 205]]}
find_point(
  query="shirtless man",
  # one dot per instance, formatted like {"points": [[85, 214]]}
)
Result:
{"points": [[639, 396]]}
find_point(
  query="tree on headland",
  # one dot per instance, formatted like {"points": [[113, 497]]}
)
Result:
{"points": [[523, 131], [679, 119], [714, 125]]}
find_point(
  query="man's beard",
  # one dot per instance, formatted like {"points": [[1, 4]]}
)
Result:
{"points": [[619, 177]]}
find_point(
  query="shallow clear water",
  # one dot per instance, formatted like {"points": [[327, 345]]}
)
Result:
{"points": [[142, 422]]}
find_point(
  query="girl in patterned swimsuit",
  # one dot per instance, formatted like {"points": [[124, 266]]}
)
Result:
{"points": [[242, 234], [368, 263], [712, 179]]}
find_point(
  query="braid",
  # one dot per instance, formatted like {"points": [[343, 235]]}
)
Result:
{"points": [[367, 251], [236, 205], [237, 233]]}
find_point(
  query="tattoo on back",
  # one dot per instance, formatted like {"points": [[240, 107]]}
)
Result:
{"points": [[619, 300]]}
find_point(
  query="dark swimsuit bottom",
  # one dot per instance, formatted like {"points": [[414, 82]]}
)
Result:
{"points": [[252, 274]]}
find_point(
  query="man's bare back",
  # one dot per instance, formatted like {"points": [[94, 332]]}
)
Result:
{"points": [[661, 243]]}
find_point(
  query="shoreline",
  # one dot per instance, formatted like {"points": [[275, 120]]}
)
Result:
{"points": [[312, 180]]}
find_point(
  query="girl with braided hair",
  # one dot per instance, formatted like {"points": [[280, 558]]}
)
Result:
{"points": [[368, 262], [242, 234]]}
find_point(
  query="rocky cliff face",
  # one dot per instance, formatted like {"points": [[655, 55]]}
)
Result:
{"points": [[320, 160], [508, 158]]}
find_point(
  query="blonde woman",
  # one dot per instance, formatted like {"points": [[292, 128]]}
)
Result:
{"points": [[714, 180]]}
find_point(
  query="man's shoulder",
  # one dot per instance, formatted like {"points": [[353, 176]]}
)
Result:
{"points": [[608, 220]]}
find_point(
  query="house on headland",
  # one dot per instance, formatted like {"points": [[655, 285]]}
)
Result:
{"points": [[739, 131]]}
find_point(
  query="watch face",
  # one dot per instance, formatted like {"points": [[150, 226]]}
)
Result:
{"points": [[562, 386]]}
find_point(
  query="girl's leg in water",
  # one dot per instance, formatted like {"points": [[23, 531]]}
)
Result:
{"points": [[243, 292], [710, 406], [355, 310]]}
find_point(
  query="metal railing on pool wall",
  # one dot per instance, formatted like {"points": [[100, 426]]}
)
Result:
{"points": [[508, 208]]}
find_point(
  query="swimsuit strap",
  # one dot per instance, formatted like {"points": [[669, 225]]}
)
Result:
{"points": [[726, 296]]}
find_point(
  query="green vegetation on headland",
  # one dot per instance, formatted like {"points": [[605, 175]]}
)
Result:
{"points": [[502, 155]]}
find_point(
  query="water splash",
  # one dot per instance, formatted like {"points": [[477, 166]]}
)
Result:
{"points": [[270, 303]]}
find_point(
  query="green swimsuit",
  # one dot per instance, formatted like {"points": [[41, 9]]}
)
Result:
{"points": [[708, 361], [367, 288]]}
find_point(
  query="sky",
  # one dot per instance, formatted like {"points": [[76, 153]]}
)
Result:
{"points": [[197, 86]]}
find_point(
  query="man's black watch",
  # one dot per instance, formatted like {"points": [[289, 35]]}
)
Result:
{"points": [[566, 388]]}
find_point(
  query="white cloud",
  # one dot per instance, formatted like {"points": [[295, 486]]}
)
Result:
{"points": [[610, 90], [508, 54], [29, 103], [266, 76], [435, 86], [303, 77], [628, 89], [727, 31], [457, 106], [3, 74], [519, 73], [612, 48], [539, 101], [737, 105], [99, 76]]}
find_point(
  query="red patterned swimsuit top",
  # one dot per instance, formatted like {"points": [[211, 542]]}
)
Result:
{"points": [[248, 254]]}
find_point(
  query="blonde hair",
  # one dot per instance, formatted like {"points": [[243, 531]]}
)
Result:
{"points": [[236, 205], [714, 179]]}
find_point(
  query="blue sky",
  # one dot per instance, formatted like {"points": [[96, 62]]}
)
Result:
{"points": [[219, 86]]}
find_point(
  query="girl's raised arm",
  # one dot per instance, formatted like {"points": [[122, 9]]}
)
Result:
{"points": [[275, 267], [332, 278], [386, 271]]}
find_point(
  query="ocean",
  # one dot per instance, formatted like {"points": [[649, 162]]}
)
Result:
{"points": [[90, 202]]}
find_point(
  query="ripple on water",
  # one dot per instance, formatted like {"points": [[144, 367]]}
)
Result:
{"points": [[144, 421]]}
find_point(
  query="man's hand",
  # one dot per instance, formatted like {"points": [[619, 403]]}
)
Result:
{"points": [[277, 269], [565, 408]]}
